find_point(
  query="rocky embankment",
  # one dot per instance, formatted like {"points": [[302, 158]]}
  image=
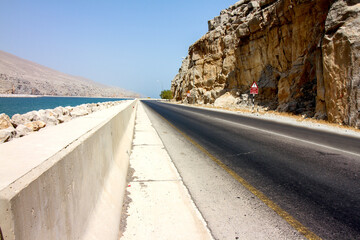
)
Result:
{"points": [[22, 124], [304, 56]]}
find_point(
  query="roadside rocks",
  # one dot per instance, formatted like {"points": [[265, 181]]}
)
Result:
{"points": [[7, 134], [35, 126], [226, 100], [4, 121], [79, 112], [22, 130], [22, 124]]}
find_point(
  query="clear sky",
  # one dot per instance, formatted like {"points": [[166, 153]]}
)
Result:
{"points": [[135, 44]]}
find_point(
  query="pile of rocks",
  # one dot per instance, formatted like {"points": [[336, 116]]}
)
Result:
{"points": [[22, 124]]}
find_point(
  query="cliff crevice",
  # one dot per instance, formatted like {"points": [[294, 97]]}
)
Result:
{"points": [[304, 55]]}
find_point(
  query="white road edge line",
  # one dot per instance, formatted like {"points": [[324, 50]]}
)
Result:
{"points": [[347, 134], [293, 138], [282, 135]]}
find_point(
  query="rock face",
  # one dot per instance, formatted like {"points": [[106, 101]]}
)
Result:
{"points": [[19, 76], [303, 54]]}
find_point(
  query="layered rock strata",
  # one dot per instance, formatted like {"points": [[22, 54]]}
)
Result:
{"points": [[22, 124], [303, 54]]}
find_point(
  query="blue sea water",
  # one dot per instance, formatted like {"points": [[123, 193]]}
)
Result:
{"points": [[21, 105]]}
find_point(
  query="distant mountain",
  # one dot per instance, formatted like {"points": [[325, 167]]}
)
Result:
{"points": [[20, 76]]}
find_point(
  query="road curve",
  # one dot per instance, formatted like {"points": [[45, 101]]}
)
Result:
{"points": [[313, 175]]}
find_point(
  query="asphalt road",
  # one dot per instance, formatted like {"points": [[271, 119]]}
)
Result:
{"points": [[312, 175]]}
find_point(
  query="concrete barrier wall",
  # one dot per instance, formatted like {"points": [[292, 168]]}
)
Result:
{"points": [[67, 181]]}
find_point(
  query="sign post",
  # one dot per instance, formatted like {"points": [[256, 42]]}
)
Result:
{"points": [[254, 90]]}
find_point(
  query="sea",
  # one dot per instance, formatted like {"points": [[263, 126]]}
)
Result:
{"points": [[21, 105]]}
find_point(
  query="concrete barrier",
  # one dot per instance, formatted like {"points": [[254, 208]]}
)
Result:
{"points": [[67, 181]]}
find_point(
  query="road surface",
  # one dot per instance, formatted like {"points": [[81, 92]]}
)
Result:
{"points": [[309, 178]]}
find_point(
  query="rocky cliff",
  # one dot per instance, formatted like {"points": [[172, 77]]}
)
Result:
{"points": [[303, 54], [20, 76]]}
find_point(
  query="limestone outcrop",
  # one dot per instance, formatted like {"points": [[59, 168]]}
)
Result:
{"points": [[303, 54], [22, 124]]}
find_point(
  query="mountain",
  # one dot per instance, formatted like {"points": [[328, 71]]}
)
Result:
{"points": [[20, 76], [303, 54]]}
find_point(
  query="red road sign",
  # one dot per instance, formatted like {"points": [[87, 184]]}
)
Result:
{"points": [[254, 88]]}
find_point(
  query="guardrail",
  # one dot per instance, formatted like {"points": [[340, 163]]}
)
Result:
{"points": [[68, 181]]}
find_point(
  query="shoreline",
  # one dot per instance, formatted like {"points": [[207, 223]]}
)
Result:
{"points": [[19, 125], [18, 95], [37, 96]]}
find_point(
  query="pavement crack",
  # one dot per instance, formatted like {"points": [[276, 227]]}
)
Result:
{"points": [[151, 180], [239, 154], [147, 144], [327, 154]]}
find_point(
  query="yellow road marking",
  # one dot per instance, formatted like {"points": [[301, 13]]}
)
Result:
{"points": [[282, 213]]}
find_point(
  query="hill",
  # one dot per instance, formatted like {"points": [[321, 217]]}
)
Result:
{"points": [[304, 56], [20, 76]]}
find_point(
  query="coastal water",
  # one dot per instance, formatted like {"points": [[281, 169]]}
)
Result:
{"points": [[21, 105]]}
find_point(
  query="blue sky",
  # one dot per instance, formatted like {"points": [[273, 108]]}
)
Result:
{"points": [[136, 45]]}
